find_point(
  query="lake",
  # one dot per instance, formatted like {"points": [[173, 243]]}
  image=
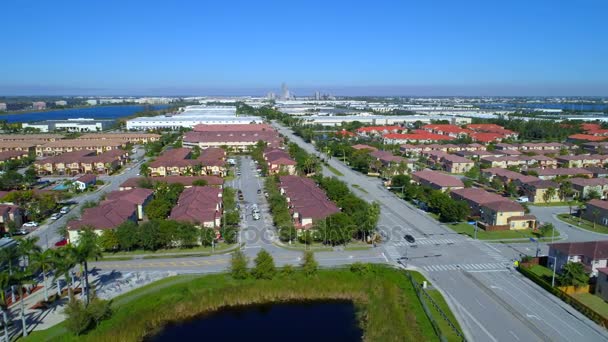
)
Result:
{"points": [[294, 322], [100, 112]]}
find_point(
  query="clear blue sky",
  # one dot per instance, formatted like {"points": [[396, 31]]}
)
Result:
{"points": [[532, 47]]}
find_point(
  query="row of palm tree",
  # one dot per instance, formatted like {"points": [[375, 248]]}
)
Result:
{"points": [[27, 260]]}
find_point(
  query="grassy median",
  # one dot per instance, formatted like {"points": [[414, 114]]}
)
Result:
{"points": [[388, 308]]}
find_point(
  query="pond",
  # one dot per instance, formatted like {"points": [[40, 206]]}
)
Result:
{"points": [[300, 321]]}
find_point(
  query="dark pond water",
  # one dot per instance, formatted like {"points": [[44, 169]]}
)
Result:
{"points": [[293, 322], [101, 112]]}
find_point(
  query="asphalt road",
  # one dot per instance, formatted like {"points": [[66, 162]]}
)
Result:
{"points": [[492, 301], [567, 231]]}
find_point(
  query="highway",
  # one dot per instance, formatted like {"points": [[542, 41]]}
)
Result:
{"points": [[492, 301]]}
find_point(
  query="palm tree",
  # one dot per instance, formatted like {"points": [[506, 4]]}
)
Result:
{"points": [[4, 284], [549, 194], [9, 255], [564, 190], [63, 262], [86, 249], [20, 279], [27, 247], [42, 261], [595, 213]]}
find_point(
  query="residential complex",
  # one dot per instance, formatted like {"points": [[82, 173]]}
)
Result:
{"points": [[306, 201]]}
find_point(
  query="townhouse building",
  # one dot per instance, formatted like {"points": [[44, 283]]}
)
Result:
{"points": [[201, 205], [307, 202]]}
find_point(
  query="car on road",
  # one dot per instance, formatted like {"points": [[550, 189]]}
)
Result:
{"points": [[523, 199], [30, 224], [61, 243], [256, 216], [22, 232], [241, 197], [238, 173], [64, 210], [409, 238], [55, 216], [259, 191]]}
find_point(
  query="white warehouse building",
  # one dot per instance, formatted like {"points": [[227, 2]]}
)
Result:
{"points": [[192, 116]]}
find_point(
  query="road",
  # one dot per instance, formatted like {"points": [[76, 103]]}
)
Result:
{"points": [[492, 301], [570, 232], [48, 232]]}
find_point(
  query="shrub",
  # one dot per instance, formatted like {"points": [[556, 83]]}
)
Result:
{"points": [[238, 265], [360, 268], [309, 265], [264, 266], [287, 270], [78, 319]]}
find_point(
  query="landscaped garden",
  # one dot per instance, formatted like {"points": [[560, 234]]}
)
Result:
{"points": [[582, 223], [388, 307], [469, 229]]}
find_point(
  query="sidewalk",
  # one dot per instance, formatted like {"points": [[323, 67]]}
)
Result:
{"points": [[107, 285]]}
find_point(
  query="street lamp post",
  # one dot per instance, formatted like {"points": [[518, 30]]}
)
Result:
{"points": [[554, 267]]}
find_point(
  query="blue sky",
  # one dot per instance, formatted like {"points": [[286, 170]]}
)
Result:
{"points": [[347, 47]]}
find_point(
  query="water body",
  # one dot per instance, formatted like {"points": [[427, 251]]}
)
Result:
{"points": [[563, 106], [101, 112], [313, 321]]}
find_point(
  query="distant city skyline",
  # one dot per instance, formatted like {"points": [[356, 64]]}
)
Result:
{"points": [[472, 48]]}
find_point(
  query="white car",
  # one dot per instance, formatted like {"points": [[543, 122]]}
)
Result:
{"points": [[64, 210], [256, 216], [30, 224], [55, 216]]}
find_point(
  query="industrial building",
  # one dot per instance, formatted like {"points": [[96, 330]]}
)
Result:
{"points": [[192, 116], [71, 125]]}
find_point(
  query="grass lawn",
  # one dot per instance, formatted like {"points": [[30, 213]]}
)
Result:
{"points": [[200, 249], [587, 225], [554, 204], [543, 272], [320, 247], [359, 188], [467, 229], [388, 308], [334, 170], [594, 302]]}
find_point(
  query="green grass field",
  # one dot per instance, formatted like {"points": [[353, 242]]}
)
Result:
{"points": [[467, 229], [584, 224], [594, 302], [387, 305], [334, 170], [196, 250]]}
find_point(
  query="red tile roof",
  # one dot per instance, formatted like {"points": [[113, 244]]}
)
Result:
{"points": [[136, 196], [379, 129], [417, 137], [364, 147], [594, 250], [503, 206], [306, 198], [86, 179], [438, 178], [587, 137], [198, 204], [107, 215]]}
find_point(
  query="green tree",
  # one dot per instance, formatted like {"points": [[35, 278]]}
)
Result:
{"points": [[573, 274], [546, 229], [309, 264], [238, 265], [108, 240], [150, 237], [26, 248], [127, 234], [549, 194], [78, 318], [86, 250], [264, 266], [43, 261], [63, 262], [565, 190], [336, 229], [5, 283], [229, 234], [158, 209], [199, 182], [98, 309], [144, 169], [400, 180], [207, 236], [593, 194], [21, 279]]}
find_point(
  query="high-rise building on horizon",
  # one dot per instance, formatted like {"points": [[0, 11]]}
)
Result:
{"points": [[285, 95], [317, 95]]}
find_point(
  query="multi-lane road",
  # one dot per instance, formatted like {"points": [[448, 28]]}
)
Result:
{"points": [[492, 301]]}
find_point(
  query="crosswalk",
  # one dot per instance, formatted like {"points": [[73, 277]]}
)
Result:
{"points": [[466, 267], [392, 252], [426, 242], [494, 254]]}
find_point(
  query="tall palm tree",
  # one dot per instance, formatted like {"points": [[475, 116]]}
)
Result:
{"points": [[4, 284], [43, 262], [87, 249], [63, 262], [9, 255], [20, 279], [26, 248]]}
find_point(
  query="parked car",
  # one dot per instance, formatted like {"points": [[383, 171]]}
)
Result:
{"points": [[22, 232], [55, 216], [259, 191], [238, 173], [61, 243], [30, 224], [409, 238], [256, 216], [64, 210], [523, 199]]}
